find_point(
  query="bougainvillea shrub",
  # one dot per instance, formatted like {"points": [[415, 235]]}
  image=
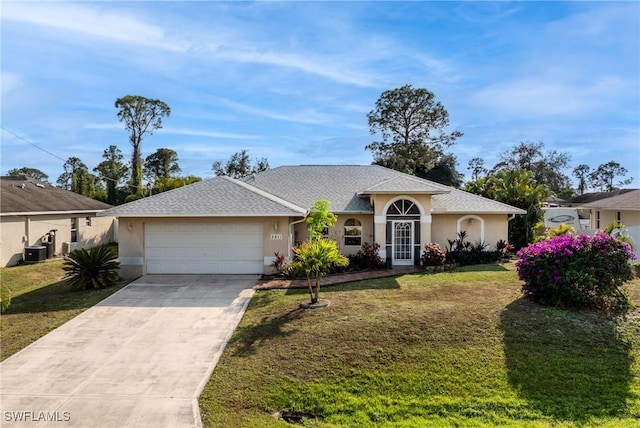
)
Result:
{"points": [[433, 255], [576, 270]]}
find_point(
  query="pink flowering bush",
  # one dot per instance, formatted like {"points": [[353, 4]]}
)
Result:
{"points": [[433, 255], [576, 270]]}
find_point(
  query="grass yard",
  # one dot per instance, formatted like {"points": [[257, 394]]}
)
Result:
{"points": [[445, 349], [40, 302]]}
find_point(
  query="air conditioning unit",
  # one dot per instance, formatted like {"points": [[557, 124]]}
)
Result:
{"points": [[68, 247]]}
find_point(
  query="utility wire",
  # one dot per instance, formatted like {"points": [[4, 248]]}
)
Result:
{"points": [[33, 144], [52, 154]]}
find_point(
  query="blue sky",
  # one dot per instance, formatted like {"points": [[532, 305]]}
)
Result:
{"points": [[293, 81]]}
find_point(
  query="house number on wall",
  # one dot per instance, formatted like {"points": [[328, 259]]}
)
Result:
{"points": [[276, 236]]}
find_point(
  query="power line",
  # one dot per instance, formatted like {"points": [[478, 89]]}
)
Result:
{"points": [[52, 154], [33, 144]]}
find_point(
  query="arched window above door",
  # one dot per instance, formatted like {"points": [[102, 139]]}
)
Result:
{"points": [[403, 207]]}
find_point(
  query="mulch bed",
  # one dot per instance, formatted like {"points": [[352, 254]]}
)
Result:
{"points": [[275, 283]]}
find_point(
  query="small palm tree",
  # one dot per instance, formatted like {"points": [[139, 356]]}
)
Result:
{"points": [[93, 269], [316, 257]]}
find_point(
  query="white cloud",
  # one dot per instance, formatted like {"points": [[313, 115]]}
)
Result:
{"points": [[541, 96], [328, 67], [211, 134], [11, 82], [308, 116], [91, 22]]}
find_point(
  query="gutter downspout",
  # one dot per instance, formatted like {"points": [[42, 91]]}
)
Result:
{"points": [[290, 239]]}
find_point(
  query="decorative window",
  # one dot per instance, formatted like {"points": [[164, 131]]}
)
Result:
{"points": [[353, 232], [87, 221], [74, 229], [403, 207]]}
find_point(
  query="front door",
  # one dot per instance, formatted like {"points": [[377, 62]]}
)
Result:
{"points": [[402, 243]]}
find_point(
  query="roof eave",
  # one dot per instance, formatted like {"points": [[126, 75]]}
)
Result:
{"points": [[70, 212], [485, 212], [401, 192], [204, 215]]}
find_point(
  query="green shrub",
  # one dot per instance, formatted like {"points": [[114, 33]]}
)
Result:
{"points": [[464, 253], [576, 270], [366, 258], [433, 255], [560, 230], [93, 269]]}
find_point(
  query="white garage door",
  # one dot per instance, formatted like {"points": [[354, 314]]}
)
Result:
{"points": [[234, 248]]}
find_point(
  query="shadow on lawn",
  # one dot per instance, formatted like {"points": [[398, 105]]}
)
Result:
{"points": [[384, 283], [246, 338], [570, 366], [490, 267], [57, 296]]}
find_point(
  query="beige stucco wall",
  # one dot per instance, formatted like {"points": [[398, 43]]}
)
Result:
{"points": [[131, 238], [18, 232], [336, 232], [628, 218], [487, 227]]}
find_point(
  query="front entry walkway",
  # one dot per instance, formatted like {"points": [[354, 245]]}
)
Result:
{"points": [[140, 358]]}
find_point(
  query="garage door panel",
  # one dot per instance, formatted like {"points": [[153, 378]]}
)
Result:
{"points": [[204, 248]]}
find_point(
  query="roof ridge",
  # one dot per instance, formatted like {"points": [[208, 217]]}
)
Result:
{"points": [[267, 195]]}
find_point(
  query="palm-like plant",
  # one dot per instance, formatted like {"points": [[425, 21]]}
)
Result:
{"points": [[93, 269], [316, 257]]}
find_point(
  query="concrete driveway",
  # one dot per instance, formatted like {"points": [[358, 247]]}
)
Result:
{"points": [[140, 358]]}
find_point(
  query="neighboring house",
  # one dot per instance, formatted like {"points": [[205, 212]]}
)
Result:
{"points": [[586, 198], [624, 207], [223, 225], [32, 212]]}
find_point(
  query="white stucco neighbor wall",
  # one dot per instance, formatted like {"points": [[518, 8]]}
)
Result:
{"points": [[20, 231]]}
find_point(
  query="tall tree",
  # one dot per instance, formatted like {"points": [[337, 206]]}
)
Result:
{"points": [[444, 172], [520, 189], [411, 123], [546, 167], [77, 178], [604, 176], [239, 165], [141, 116], [34, 173], [164, 184], [476, 165], [162, 164], [581, 173], [112, 170]]}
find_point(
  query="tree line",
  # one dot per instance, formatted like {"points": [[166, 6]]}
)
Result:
{"points": [[411, 127]]}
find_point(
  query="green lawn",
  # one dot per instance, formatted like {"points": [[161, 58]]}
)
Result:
{"points": [[40, 302], [446, 349]]}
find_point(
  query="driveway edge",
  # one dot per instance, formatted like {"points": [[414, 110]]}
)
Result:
{"points": [[246, 295]]}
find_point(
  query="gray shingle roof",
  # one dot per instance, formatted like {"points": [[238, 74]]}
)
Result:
{"points": [[624, 201], [458, 201], [342, 185], [21, 194], [216, 197], [291, 190], [406, 183]]}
